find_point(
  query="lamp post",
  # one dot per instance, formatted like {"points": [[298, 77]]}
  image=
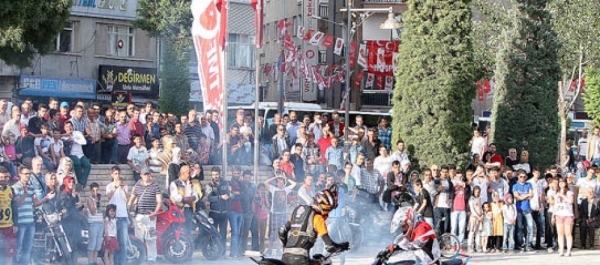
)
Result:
{"points": [[389, 23]]}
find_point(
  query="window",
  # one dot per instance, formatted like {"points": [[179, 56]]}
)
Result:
{"points": [[266, 33], [121, 41], [276, 33], [297, 23], [241, 51], [324, 10], [322, 57], [65, 38]]}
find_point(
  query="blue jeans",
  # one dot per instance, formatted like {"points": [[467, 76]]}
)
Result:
{"points": [[249, 225], [96, 235], [25, 237], [221, 221], [122, 237], [522, 220], [235, 221], [458, 222], [48, 164], [540, 221], [595, 161], [508, 241], [438, 214]]}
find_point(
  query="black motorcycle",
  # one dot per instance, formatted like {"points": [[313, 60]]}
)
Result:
{"points": [[209, 239], [317, 259], [51, 244]]}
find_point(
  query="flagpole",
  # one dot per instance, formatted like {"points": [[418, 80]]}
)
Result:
{"points": [[224, 130], [281, 85], [258, 41]]}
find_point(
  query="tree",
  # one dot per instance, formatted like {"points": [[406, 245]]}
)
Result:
{"points": [[527, 72], [435, 82], [170, 21], [591, 97], [577, 25], [28, 27], [490, 17]]}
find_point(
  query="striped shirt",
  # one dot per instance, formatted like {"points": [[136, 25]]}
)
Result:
{"points": [[25, 210], [79, 125], [146, 197]]}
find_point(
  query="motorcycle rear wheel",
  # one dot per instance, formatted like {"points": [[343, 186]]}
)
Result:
{"points": [[212, 247], [449, 245], [136, 252], [178, 250]]}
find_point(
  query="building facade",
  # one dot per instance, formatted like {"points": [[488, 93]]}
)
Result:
{"points": [[322, 16], [98, 52]]}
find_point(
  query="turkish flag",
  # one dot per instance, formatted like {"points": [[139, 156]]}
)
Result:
{"points": [[379, 82], [257, 5], [308, 34], [358, 79], [353, 45], [339, 44], [480, 93], [327, 41]]}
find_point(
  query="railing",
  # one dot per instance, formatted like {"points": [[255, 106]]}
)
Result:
{"points": [[379, 98], [383, 1]]}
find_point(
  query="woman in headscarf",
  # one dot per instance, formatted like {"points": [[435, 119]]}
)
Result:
{"points": [[65, 168], [71, 207]]}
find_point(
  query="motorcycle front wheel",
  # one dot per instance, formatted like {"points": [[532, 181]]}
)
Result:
{"points": [[178, 250], [212, 247], [136, 252]]}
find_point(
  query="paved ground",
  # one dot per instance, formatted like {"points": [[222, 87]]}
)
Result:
{"points": [[366, 256]]}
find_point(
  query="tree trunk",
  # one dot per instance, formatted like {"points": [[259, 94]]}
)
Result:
{"points": [[562, 152]]}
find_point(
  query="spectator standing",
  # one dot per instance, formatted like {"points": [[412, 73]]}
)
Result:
{"points": [[593, 147], [35, 123], [497, 184], [286, 164], [96, 223], [563, 217], [180, 137], [117, 193], [292, 127], [385, 133], [235, 213], [65, 114], [249, 223], [298, 162], [443, 201], [316, 127], [458, 216], [219, 195], [24, 196], [261, 204], [306, 192], [325, 142], [124, 134], [511, 160], [135, 125], [384, 162], [4, 115], [400, 154], [523, 163], [8, 224], [146, 200], [207, 130], [477, 143], [25, 146], [371, 182], [279, 143], [581, 144], [371, 145], [311, 154], [509, 216], [93, 148], [279, 214], [495, 244], [523, 192], [337, 127], [193, 130], [203, 150], [53, 120], [109, 135], [475, 221], [137, 158], [589, 218], [26, 113], [537, 202], [153, 153], [235, 143], [334, 154]]}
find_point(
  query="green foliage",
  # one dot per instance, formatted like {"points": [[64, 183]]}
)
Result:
{"points": [[170, 20], [29, 27], [489, 18], [591, 96], [435, 82], [527, 74]]}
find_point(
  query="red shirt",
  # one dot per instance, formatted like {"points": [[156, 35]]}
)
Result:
{"points": [[137, 128], [287, 167], [323, 144], [61, 121], [498, 158]]}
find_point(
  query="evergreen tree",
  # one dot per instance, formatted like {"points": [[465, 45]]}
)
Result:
{"points": [[28, 27], [525, 107], [170, 21], [435, 81], [591, 97]]}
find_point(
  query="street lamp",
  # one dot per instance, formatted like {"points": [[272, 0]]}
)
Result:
{"points": [[390, 23]]}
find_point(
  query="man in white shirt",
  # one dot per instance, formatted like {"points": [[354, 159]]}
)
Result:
{"points": [[400, 155], [117, 192], [477, 143], [184, 195], [581, 144]]}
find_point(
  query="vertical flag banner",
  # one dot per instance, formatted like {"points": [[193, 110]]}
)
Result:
{"points": [[257, 5], [209, 32]]}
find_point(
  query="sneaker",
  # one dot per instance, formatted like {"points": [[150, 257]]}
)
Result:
{"points": [[550, 250], [529, 250]]}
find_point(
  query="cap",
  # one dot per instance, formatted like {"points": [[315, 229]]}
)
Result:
{"points": [[64, 104], [145, 170]]}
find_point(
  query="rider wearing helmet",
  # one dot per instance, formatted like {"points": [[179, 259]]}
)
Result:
{"points": [[419, 237], [299, 234]]}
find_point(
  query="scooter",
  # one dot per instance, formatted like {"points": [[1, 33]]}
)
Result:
{"points": [[174, 245], [209, 239]]}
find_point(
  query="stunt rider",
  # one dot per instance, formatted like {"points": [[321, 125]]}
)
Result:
{"points": [[299, 234], [419, 238]]}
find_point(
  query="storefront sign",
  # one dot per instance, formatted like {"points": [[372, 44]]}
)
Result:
{"points": [[119, 9], [128, 79], [120, 100], [57, 87]]}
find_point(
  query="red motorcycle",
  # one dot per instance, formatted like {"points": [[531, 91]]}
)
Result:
{"points": [[171, 242]]}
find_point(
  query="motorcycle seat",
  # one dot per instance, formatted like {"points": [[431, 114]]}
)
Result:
{"points": [[452, 262]]}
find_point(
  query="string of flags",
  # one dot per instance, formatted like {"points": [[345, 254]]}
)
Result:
{"points": [[378, 58]]}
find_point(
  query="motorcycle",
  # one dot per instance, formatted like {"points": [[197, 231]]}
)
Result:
{"points": [[174, 245], [317, 259], [384, 255], [209, 239], [52, 242]]}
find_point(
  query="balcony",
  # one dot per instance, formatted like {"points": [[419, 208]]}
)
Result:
{"points": [[383, 1]]}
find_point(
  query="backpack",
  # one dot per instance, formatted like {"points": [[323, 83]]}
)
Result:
{"points": [[302, 233]]}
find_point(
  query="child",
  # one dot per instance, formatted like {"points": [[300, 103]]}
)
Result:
{"points": [[10, 149], [497, 223], [153, 161], [509, 214], [475, 219], [486, 231], [110, 243], [57, 147], [203, 150], [42, 144]]}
